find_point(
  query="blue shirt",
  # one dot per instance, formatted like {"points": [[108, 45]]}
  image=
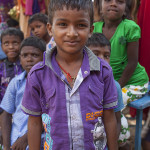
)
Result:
{"points": [[11, 103], [120, 105], [2, 54]]}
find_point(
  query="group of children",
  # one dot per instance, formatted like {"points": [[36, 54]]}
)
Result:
{"points": [[70, 91]]}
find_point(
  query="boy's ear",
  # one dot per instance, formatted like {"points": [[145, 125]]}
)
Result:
{"points": [[49, 29], [91, 31]]}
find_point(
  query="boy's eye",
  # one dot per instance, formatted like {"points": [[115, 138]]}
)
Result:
{"points": [[35, 55], [82, 25], [6, 44], [24, 55], [122, 1], [107, 56], [62, 24], [15, 43], [38, 26], [107, 0]]}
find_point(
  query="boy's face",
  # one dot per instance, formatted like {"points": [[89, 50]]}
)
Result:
{"points": [[101, 52], [29, 56], [70, 29], [38, 29], [10, 45]]}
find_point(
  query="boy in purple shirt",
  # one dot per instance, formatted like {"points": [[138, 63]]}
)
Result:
{"points": [[11, 39], [72, 89]]}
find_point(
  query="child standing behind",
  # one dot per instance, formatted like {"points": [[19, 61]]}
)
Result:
{"points": [[71, 88], [124, 35], [15, 133], [101, 47], [11, 39], [38, 26]]}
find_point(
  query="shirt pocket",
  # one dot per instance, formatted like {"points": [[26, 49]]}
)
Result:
{"points": [[48, 100], [96, 95]]}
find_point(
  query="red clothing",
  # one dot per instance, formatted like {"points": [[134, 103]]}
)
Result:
{"points": [[144, 43]]}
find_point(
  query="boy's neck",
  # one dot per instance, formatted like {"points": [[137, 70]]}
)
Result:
{"points": [[47, 38], [68, 59], [70, 65], [13, 59]]}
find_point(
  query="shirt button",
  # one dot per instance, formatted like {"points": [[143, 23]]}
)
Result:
{"points": [[73, 117], [85, 72], [75, 140]]}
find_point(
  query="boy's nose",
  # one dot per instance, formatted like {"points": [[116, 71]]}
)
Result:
{"points": [[10, 45], [29, 58], [72, 31], [113, 2]]}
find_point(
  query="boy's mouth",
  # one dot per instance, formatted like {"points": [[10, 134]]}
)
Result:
{"points": [[12, 52], [29, 66], [71, 42], [112, 10]]}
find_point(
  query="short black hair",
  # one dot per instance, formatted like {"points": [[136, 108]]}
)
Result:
{"points": [[12, 31], [98, 39], [35, 42], [38, 17], [12, 22], [55, 5]]}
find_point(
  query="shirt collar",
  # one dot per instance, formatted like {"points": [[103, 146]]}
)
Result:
{"points": [[94, 62], [8, 63], [22, 76]]}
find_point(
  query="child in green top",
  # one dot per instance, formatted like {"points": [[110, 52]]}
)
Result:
{"points": [[123, 35]]}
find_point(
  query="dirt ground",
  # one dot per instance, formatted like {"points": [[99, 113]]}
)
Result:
{"points": [[132, 125]]}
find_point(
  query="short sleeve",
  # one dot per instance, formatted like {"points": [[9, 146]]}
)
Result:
{"points": [[31, 98], [132, 31], [120, 105], [8, 101], [97, 27], [110, 92]]}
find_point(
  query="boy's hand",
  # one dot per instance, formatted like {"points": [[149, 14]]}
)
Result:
{"points": [[21, 143]]}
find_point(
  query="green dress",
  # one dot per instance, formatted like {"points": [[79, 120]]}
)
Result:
{"points": [[127, 31]]}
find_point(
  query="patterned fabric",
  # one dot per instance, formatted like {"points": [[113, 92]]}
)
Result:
{"points": [[51, 44], [11, 103], [8, 70], [131, 93], [125, 132]]}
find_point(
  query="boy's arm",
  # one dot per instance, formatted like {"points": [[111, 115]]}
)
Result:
{"points": [[110, 125], [6, 129], [118, 117], [132, 54], [34, 132], [20, 143]]}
